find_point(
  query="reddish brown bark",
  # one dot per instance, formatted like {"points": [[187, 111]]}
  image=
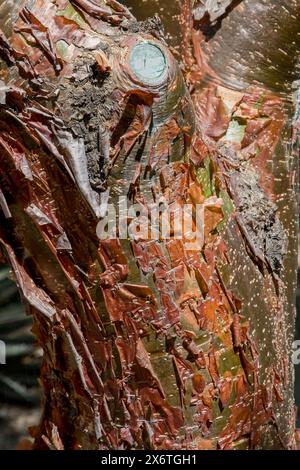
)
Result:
{"points": [[147, 344]]}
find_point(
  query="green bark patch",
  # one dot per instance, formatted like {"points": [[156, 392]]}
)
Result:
{"points": [[227, 209], [235, 132], [205, 178], [72, 14]]}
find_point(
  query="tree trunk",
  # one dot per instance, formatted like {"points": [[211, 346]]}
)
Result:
{"points": [[153, 342]]}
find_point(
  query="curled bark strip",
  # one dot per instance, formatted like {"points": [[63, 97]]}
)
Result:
{"points": [[210, 12], [42, 37], [144, 339], [6, 50], [114, 13]]}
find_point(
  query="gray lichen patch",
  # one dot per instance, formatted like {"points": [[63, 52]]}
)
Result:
{"points": [[151, 26], [258, 217], [86, 104]]}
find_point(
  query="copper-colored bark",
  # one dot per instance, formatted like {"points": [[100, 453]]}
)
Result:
{"points": [[147, 344]]}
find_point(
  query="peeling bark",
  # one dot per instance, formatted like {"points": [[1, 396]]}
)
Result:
{"points": [[147, 344]]}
